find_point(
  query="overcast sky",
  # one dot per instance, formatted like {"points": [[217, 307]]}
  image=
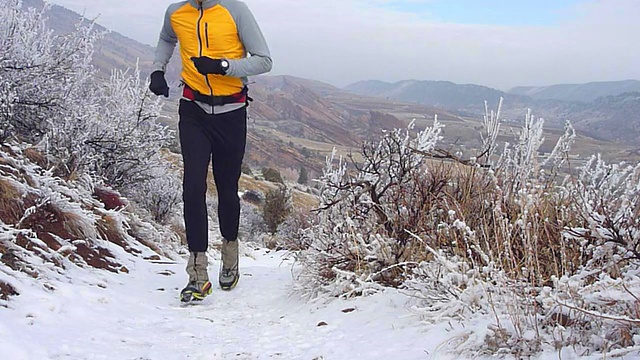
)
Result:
{"points": [[498, 43]]}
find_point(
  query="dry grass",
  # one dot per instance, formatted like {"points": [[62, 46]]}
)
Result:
{"points": [[11, 206], [250, 183], [110, 229], [6, 290], [461, 211], [304, 201], [534, 253], [36, 157]]}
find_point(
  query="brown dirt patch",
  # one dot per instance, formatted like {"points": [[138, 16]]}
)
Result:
{"points": [[110, 198], [99, 258], [52, 246], [47, 219]]}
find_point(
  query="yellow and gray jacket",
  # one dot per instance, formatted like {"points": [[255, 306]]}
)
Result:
{"points": [[219, 29]]}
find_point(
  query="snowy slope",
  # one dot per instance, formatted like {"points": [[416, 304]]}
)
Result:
{"points": [[103, 315]]}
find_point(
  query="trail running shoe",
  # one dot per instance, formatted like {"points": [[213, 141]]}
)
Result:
{"points": [[195, 291], [229, 273], [199, 286]]}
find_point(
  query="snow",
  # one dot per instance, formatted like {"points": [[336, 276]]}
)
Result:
{"points": [[94, 314]]}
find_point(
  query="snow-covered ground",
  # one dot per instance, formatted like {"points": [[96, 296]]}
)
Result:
{"points": [[99, 315], [95, 314]]}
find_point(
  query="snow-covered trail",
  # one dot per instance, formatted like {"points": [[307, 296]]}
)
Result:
{"points": [[138, 316]]}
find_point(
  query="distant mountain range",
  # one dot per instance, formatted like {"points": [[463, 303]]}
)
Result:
{"points": [[605, 110], [442, 94], [578, 92]]}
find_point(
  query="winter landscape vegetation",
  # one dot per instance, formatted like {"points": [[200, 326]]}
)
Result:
{"points": [[408, 220]]}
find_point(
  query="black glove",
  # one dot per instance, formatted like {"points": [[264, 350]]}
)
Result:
{"points": [[158, 84], [209, 66]]}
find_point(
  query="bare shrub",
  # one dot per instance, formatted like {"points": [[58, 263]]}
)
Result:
{"points": [[277, 207], [289, 175], [272, 175], [357, 239], [290, 235]]}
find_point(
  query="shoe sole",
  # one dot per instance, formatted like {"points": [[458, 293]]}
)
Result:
{"points": [[187, 296]]}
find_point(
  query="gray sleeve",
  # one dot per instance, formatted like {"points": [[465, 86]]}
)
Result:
{"points": [[254, 44], [167, 41]]}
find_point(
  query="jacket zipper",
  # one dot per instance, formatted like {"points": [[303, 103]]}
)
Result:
{"points": [[206, 33], [206, 77]]}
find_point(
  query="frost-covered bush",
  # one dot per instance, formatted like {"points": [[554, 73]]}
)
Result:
{"points": [[551, 256], [358, 237], [607, 203], [290, 232], [160, 193], [252, 224]]}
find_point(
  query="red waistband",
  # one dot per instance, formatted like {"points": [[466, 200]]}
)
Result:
{"points": [[190, 94]]}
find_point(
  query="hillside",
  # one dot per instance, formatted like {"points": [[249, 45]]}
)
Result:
{"points": [[49, 226], [578, 92], [612, 117]]}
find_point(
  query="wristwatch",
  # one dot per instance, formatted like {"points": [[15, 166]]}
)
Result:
{"points": [[225, 65]]}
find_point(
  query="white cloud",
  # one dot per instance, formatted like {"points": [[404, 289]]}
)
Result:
{"points": [[341, 41]]}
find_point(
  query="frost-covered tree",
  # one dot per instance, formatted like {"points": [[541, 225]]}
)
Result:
{"points": [[50, 96], [124, 137], [41, 74]]}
